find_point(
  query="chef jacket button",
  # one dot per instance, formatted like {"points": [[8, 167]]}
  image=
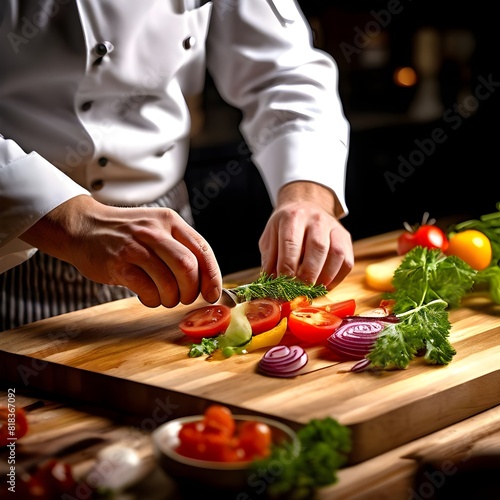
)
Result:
{"points": [[86, 106], [103, 161], [97, 185], [101, 49], [189, 42]]}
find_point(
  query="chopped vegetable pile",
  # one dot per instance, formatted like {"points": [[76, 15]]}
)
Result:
{"points": [[436, 270], [218, 437]]}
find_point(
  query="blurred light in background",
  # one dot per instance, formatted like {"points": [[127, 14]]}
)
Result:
{"points": [[405, 77]]}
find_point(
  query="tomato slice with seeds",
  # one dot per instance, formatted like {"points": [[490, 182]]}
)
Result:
{"points": [[290, 305], [263, 314], [206, 321], [312, 324], [341, 309]]}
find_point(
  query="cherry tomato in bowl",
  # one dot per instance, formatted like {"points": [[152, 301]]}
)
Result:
{"points": [[427, 236], [312, 325], [207, 321], [263, 314]]}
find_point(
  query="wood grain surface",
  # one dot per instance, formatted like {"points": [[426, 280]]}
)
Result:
{"points": [[389, 476], [134, 359]]}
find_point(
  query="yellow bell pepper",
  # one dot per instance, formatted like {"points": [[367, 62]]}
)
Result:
{"points": [[268, 339]]}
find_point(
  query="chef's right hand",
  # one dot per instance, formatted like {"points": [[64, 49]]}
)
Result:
{"points": [[151, 251]]}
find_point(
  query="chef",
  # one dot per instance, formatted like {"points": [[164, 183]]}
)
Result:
{"points": [[94, 141]]}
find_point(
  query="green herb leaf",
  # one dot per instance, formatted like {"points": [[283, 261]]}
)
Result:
{"points": [[206, 346], [324, 448], [490, 279], [282, 287], [427, 284]]}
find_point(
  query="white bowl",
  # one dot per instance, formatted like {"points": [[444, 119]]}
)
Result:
{"points": [[219, 475]]}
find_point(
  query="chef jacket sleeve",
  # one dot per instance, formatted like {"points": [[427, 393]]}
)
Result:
{"points": [[30, 187], [262, 60]]}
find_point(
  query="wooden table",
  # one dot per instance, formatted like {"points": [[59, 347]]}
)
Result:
{"points": [[122, 366]]}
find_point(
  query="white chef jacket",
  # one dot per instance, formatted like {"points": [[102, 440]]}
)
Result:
{"points": [[92, 100]]}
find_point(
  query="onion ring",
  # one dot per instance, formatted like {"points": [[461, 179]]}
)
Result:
{"points": [[283, 361]]}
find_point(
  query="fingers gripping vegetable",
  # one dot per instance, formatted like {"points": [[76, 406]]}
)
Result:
{"points": [[425, 235]]}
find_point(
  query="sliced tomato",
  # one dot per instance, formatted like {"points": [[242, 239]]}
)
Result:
{"points": [[341, 309], [290, 305], [13, 424], [312, 324], [263, 314], [207, 321]]}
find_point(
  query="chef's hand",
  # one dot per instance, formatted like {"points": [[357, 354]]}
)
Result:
{"points": [[151, 251], [304, 239]]}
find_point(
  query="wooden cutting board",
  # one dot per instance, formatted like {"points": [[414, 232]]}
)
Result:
{"points": [[134, 359]]}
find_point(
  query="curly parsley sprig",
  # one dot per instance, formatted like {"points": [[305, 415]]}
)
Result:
{"points": [[427, 284]]}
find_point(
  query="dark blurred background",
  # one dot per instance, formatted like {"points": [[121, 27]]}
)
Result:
{"points": [[421, 90]]}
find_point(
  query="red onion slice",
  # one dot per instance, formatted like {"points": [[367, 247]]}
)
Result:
{"points": [[283, 361], [387, 318], [355, 336], [361, 365]]}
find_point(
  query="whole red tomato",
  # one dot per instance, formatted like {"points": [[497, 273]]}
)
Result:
{"points": [[427, 235]]}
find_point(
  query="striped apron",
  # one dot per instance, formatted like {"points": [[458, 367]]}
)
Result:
{"points": [[43, 286]]}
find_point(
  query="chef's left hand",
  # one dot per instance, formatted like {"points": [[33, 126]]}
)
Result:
{"points": [[303, 238]]}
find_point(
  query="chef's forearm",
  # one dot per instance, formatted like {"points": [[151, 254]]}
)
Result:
{"points": [[313, 192]]}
